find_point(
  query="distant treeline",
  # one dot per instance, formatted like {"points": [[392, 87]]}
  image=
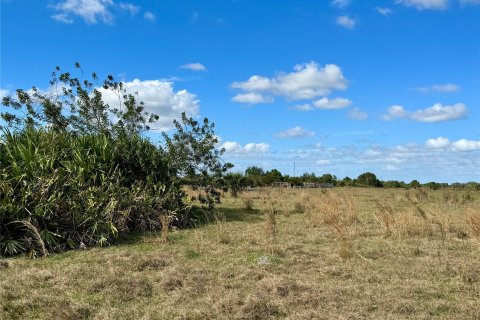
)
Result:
{"points": [[256, 177]]}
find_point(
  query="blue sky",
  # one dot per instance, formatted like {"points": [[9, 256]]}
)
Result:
{"points": [[342, 87]]}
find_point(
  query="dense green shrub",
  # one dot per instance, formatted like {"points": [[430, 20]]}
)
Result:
{"points": [[79, 188], [76, 172]]}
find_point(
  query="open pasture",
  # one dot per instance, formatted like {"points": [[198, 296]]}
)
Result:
{"points": [[359, 253]]}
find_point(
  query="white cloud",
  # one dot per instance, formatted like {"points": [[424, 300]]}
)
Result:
{"points": [[323, 162], [332, 104], [250, 148], [395, 112], [302, 107], [390, 167], [62, 17], [437, 143], [357, 114], [307, 81], [436, 113], [459, 145], [425, 4], [324, 103], [384, 11], [252, 98], [195, 66], [295, 132], [149, 16], [159, 98], [340, 3], [346, 22], [465, 145], [91, 11], [130, 7], [444, 88]]}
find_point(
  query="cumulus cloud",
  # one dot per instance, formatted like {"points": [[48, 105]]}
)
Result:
{"points": [[346, 22], [149, 16], [384, 11], [425, 4], [307, 81], [436, 113], [340, 3], [437, 143], [444, 88], [459, 145], [324, 103], [465, 145], [250, 148], [195, 66], [357, 114], [252, 98], [91, 11], [159, 98], [295, 132], [331, 104]]}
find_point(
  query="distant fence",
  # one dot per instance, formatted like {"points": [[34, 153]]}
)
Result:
{"points": [[281, 184]]}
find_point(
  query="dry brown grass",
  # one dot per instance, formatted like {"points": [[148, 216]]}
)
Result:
{"points": [[270, 221], [331, 262], [473, 221]]}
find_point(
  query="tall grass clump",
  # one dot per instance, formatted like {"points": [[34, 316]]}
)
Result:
{"points": [[338, 213], [77, 172], [271, 222], [473, 221]]}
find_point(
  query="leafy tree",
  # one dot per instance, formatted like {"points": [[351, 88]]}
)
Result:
{"points": [[254, 175], [347, 181], [76, 105], [309, 177], [328, 178], [394, 184], [193, 155], [414, 184], [272, 176], [368, 179], [235, 182], [433, 185]]}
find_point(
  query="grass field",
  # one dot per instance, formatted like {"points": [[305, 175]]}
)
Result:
{"points": [[273, 254]]}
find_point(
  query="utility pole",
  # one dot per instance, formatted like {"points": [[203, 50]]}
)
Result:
{"points": [[294, 169]]}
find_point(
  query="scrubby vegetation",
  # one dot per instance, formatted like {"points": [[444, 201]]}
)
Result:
{"points": [[77, 172]]}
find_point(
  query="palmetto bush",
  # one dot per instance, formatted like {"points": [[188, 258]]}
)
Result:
{"points": [[79, 189], [75, 171]]}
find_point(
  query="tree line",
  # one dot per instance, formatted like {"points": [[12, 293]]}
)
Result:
{"points": [[255, 176]]}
